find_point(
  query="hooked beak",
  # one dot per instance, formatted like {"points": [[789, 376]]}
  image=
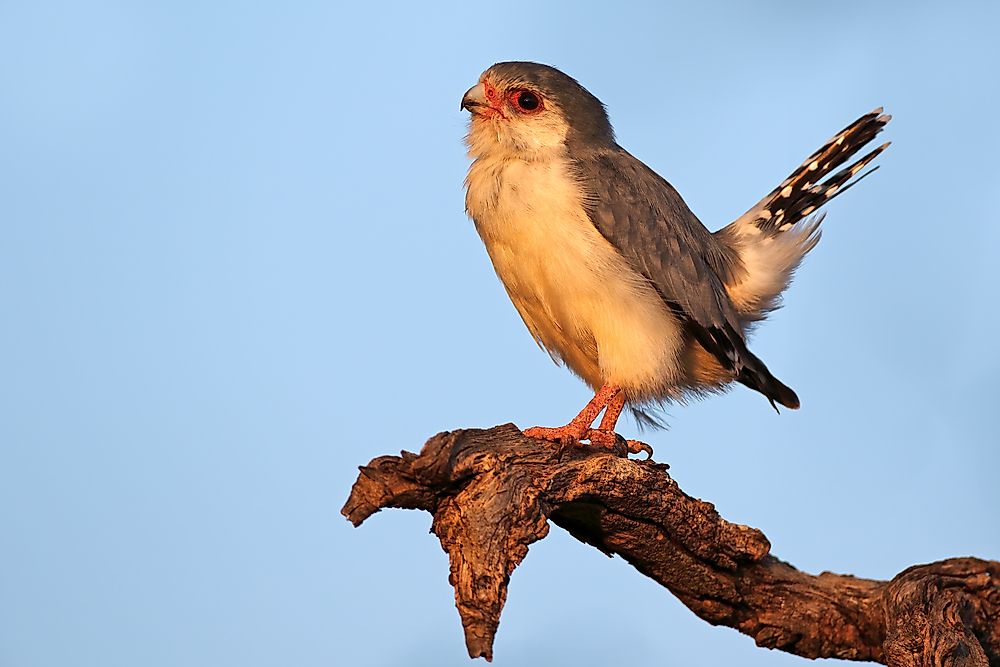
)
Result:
{"points": [[475, 97]]}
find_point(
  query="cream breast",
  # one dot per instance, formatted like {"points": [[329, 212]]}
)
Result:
{"points": [[577, 295]]}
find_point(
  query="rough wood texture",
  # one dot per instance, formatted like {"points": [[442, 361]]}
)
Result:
{"points": [[492, 493]]}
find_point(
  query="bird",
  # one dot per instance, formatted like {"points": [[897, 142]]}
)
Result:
{"points": [[610, 270]]}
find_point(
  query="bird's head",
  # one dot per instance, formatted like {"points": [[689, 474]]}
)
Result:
{"points": [[527, 109]]}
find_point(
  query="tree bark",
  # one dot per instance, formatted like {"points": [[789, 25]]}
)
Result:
{"points": [[492, 493]]}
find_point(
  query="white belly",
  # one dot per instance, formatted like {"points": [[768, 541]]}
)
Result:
{"points": [[577, 295]]}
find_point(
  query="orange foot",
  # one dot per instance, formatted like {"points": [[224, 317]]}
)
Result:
{"points": [[573, 434], [607, 438], [570, 434], [608, 398], [575, 431]]}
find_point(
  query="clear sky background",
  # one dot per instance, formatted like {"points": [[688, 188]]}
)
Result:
{"points": [[234, 265]]}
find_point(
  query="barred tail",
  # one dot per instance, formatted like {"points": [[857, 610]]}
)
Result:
{"points": [[804, 190], [767, 239]]}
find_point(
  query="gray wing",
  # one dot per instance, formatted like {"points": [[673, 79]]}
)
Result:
{"points": [[646, 220]]}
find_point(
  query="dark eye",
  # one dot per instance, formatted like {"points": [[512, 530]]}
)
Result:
{"points": [[527, 101]]}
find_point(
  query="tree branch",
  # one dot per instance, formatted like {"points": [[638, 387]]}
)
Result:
{"points": [[492, 493]]}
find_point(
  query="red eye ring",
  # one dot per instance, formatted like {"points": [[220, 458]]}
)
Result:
{"points": [[526, 101]]}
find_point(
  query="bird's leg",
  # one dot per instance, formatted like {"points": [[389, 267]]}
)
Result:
{"points": [[577, 429], [605, 436]]}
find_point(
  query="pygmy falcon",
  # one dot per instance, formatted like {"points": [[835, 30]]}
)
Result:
{"points": [[608, 267]]}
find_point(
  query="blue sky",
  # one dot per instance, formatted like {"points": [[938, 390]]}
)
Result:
{"points": [[235, 265]]}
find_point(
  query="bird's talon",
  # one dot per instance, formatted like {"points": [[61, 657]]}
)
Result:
{"points": [[636, 446]]}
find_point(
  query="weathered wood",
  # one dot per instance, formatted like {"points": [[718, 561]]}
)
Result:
{"points": [[492, 493]]}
